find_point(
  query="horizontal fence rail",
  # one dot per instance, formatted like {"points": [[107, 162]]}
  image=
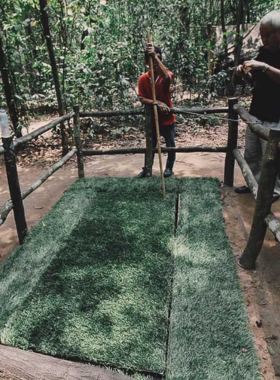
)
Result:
{"points": [[32, 135], [200, 111], [273, 224], [189, 149], [246, 171], [255, 125], [140, 111], [132, 112], [100, 114], [8, 206]]}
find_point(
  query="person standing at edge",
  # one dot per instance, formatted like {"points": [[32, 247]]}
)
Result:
{"points": [[163, 80], [264, 72]]}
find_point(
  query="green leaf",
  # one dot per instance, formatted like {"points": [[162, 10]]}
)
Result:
{"points": [[270, 350]]}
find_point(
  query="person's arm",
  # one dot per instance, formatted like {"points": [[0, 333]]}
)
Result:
{"points": [[161, 68], [162, 106], [270, 71]]}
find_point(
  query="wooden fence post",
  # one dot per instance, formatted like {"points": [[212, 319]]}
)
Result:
{"points": [[14, 187], [268, 177], [231, 143], [77, 138], [149, 140]]}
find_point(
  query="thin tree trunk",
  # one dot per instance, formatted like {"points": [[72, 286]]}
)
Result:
{"points": [[33, 56], [224, 27], [8, 91], [64, 43], [210, 52], [185, 19], [238, 39], [247, 11], [47, 33]]}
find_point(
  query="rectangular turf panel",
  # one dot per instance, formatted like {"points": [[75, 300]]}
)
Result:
{"points": [[209, 334], [92, 281]]}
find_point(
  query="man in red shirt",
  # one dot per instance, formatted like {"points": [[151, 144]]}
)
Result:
{"points": [[163, 80]]}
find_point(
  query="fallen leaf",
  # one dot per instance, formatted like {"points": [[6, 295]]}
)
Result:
{"points": [[270, 350]]}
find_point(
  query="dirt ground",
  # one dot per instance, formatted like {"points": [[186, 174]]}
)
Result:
{"points": [[261, 287]]}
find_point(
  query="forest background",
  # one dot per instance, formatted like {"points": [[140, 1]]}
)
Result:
{"points": [[58, 53]]}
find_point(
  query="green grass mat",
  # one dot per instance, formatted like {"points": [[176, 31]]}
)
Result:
{"points": [[209, 334], [94, 282]]}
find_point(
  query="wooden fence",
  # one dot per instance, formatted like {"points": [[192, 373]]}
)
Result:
{"points": [[263, 192]]}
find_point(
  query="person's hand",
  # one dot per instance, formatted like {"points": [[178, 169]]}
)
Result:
{"points": [[253, 65], [239, 70], [150, 50], [163, 107]]}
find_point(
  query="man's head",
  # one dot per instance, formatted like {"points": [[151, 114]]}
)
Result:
{"points": [[270, 30], [159, 55]]}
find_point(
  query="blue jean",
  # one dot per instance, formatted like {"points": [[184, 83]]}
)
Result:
{"points": [[168, 133]]}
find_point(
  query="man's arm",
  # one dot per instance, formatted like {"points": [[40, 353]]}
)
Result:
{"points": [[162, 106], [270, 71], [161, 68]]}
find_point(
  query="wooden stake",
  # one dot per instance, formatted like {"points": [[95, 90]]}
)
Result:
{"points": [[14, 187], [231, 143], [78, 143], [156, 117]]}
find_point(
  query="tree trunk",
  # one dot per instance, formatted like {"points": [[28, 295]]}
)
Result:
{"points": [[185, 19], [247, 11], [64, 43], [210, 51], [8, 91], [224, 27], [238, 39], [47, 34]]}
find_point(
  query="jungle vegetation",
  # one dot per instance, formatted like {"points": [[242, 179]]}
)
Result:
{"points": [[57, 53]]}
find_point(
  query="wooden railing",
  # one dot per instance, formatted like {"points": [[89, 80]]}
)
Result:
{"points": [[263, 192]]}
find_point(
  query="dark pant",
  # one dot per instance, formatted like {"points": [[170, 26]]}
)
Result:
{"points": [[168, 132]]}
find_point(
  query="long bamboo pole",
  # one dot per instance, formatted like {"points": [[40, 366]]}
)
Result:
{"points": [[156, 117]]}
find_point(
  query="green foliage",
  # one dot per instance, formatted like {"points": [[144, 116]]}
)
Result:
{"points": [[99, 48]]}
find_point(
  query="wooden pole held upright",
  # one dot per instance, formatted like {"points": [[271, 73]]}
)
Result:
{"points": [[149, 140], [12, 176], [151, 66]]}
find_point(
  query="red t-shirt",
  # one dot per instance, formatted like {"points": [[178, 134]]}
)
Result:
{"points": [[163, 94]]}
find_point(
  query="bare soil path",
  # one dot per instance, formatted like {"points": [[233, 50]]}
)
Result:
{"points": [[261, 287]]}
